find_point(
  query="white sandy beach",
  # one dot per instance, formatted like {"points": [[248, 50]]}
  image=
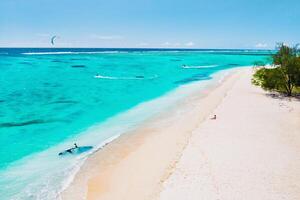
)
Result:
{"points": [[252, 151]]}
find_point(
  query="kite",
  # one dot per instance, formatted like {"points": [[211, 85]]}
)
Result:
{"points": [[52, 39]]}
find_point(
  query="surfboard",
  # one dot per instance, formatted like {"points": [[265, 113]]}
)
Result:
{"points": [[75, 151]]}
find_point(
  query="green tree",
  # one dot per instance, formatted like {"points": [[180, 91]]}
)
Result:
{"points": [[284, 76]]}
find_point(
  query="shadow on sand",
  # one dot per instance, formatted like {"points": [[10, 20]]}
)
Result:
{"points": [[280, 96]]}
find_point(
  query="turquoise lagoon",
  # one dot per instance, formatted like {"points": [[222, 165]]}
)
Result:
{"points": [[51, 98]]}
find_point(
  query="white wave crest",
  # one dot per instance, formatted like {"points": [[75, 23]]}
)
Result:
{"points": [[70, 52], [199, 67], [105, 77], [125, 78]]}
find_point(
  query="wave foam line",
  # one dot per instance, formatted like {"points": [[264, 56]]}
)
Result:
{"points": [[199, 67], [77, 167], [70, 52], [124, 78]]}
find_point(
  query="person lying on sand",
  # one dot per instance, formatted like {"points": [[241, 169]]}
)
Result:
{"points": [[214, 117]]}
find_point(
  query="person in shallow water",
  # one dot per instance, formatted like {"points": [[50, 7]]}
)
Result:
{"points": [[71, 150]]}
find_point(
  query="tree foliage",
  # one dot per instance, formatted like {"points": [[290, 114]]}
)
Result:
{"points": [[284, 75]]}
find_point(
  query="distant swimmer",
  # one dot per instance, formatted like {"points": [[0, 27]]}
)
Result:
{"points": [[214, 117], [75, 145], [139, 77]]}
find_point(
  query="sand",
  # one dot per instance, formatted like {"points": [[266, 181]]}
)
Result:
{"points": [[250, 152]]}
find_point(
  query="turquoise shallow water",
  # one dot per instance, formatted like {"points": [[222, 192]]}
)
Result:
{"points": [[50, 97]]}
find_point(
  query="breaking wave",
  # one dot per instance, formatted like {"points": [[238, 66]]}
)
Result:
{"points": [[125, 78], [199, 66], [70, 52]]}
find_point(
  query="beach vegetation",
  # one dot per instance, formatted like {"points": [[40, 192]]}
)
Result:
{"points": [[284, 73]]}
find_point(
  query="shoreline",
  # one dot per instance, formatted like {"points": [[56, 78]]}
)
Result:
{"points": [[121, 150]]}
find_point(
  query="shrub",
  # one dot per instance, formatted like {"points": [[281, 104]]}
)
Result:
{"points": [[284, 76]]}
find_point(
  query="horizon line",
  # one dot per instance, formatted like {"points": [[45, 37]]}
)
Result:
{"points": [[163, 48]]}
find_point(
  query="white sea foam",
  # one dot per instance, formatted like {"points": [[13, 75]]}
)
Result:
{"points": [[67, 181], [46, 53], [124, 78], [71, 52], [52, 173], [105, 77], [199, 66]]}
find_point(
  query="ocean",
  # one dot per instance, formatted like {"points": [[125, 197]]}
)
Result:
{"points": [[51, 98]]}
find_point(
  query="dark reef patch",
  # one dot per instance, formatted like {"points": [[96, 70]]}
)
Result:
{"points": [[78, 66], [175, 60], [47, 84], [78, 59], [26, 123], [26, 63], [59, 61], [63, 102], [196, 77]]}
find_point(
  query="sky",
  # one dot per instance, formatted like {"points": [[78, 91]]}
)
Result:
{"points": [[244, 24]]}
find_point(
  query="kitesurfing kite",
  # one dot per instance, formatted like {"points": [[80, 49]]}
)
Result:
{"points": [[52, 39]]}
